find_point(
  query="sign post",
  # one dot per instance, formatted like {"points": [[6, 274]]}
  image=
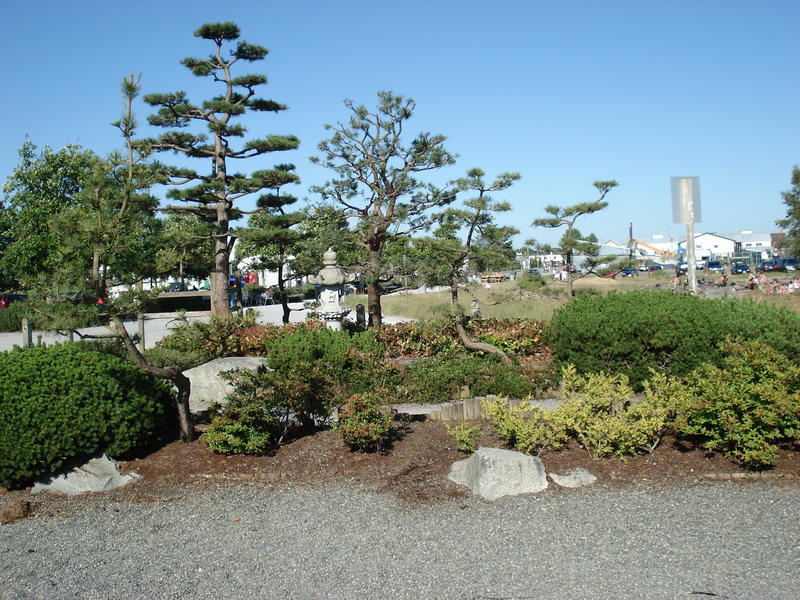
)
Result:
{"points": [[686, 209]]}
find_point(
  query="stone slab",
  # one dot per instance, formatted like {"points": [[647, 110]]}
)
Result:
{"points": [[208, 387], [98, 475]]}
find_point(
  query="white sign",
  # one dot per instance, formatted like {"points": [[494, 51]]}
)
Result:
{"points": [[686, 200]]}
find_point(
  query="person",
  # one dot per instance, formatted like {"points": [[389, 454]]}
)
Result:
{"points": [[234, 285]]}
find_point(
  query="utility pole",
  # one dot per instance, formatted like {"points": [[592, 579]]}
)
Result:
{"points": [[686, 209]]}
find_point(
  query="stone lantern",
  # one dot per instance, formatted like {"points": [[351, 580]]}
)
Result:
{"points": [[331, 279]]}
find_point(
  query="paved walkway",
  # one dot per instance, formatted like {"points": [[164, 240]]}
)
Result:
{"points": [[158, 325]]}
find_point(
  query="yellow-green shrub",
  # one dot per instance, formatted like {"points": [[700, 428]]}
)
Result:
{"points": [[464, 436], [525, 428], [742, 409], [597, 412]]}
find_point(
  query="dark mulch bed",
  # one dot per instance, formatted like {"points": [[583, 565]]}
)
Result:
{"points": [[414, 469]]}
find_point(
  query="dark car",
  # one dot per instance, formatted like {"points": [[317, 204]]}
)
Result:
{"points": [[739, 268], [715, 266], [790, 264], [629, 272], [771, 266], [682, 268], [655, 267], [177, 286]]}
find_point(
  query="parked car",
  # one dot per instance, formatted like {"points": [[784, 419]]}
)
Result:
{"points": [[655, 267], [771, 266], [6, 299], [739, 268], [628, 272], [716, 266], [682, 268], [535, 272], [790, 264], [700, 264], [177, 286]]}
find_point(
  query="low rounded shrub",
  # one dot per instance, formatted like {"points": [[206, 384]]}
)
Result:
{"points": [[743, 409], [227, 436], [74, 400], [363, 424], [629, 333]]}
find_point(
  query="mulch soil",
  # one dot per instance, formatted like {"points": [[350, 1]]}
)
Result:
{"points": [[414, 469]]}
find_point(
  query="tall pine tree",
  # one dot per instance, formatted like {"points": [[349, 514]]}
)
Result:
{"points": [[213, 195]]}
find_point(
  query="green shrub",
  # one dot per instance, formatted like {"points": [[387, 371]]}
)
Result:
{"points": [[228, 436], [363, 424], [72, 400], [11, 316], [350, 363], [311, 369], [464, 436], [742, 409], [631, 332], [525, 428], [439, 380]]}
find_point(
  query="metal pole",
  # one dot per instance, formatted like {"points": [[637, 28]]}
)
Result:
{"points": [[686, 186]]}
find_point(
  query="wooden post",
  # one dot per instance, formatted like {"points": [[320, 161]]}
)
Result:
{"points": [[140, 323], [27, 334]]}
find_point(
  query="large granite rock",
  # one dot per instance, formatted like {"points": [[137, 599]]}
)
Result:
{"points": [[493, 473], [208, 387], [98, 475]]}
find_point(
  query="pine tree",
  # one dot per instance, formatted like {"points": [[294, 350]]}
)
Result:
{"points": [[377, 180], [572, 241], [213, 196]]}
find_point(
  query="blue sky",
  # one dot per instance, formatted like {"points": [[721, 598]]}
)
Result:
{"points": [[565, 93]]}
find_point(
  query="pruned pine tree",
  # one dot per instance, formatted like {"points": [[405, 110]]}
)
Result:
{"points": [[454, 243], [273, 236], [571, 241], [377, 181], [214, 195]]}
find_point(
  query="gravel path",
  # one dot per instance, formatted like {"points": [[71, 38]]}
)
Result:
{"points": [[255, 542]]}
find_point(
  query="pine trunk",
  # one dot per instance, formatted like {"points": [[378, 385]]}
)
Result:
{"points": [[374, 289]]}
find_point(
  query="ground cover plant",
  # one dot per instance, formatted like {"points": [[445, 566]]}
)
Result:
{"points": [[74, 400], [743, 409]]}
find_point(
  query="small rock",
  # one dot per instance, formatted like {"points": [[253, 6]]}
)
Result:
{"points": [[578, 477]]}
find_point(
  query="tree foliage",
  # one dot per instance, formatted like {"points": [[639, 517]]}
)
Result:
{"points": [[791, 223], [448, 255], [44, 185]]}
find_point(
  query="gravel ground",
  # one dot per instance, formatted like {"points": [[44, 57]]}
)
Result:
{"points": [[256, 542]]}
